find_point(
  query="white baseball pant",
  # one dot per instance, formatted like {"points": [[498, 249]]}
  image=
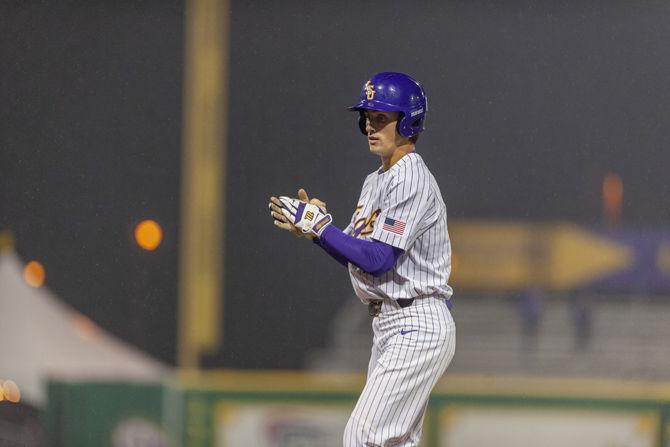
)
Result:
{"points": [[412, 348]]}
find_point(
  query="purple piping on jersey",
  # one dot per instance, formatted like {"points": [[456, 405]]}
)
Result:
{"points": [[373, 257]]}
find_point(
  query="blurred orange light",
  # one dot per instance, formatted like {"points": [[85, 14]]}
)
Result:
{"points": [[612, 198], [148, 234], [34, 274], [11, 391]]}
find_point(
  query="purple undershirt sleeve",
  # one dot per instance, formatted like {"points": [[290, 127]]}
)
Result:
{"points": [[373, 257], [327, 248]]}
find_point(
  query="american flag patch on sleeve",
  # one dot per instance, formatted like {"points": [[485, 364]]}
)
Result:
{"points": [[394, 226]]}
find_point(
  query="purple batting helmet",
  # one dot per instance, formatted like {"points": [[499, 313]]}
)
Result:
{"points": [[394, 92]]}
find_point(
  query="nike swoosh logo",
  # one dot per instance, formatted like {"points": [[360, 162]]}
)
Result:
{"points": [[403, 331]]}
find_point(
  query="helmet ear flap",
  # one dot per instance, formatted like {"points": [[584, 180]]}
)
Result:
{"points": [[361, 122], [417, 125], [408, 127], [400, 124]]}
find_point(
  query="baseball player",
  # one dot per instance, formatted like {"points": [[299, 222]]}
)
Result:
{"points": [[398, 253]]}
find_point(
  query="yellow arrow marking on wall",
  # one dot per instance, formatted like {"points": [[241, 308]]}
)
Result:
{"points": [[491, 255], [577, 256], [513, 256]]}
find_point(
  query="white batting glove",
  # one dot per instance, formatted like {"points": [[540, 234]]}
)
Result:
{"points": [[307, 217]]}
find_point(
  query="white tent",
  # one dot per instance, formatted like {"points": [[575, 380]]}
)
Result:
{"points": [[43, 338]]}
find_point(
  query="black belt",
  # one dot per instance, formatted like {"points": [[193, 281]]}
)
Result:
{"points": [[375, 307]]}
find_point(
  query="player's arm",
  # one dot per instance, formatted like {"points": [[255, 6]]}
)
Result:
{"points": [[407, 208], [333, 253], [373, 257]]}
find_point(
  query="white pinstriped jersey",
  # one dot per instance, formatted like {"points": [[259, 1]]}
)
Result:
{"points": [[403, 207]]}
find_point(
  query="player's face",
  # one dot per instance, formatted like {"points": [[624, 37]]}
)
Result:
{"points": [[381, 130]]}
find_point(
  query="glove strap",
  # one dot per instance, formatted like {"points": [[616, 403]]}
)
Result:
{"points": [[322, 224]]}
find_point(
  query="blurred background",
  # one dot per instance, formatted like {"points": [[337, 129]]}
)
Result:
{"points": [[147, 299]]}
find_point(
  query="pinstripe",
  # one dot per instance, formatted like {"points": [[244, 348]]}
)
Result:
{"points": [[391, 407], [404, 366], [412, 360], [425, 213]]}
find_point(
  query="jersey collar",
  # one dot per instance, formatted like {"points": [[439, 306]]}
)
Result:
{"points": [[408, 158]]}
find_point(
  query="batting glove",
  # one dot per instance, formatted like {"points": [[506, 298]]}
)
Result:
{"points": [[307, 217]]}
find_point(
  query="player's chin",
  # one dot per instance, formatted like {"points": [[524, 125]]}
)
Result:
{"points": [[375, 147]]}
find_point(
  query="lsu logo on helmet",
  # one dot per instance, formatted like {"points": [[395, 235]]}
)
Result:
{"points": [[369, 90]]}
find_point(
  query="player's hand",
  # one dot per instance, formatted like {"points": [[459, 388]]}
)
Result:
{"points": [[283, 222], [279, 219], [307, 217], [302, 195]]}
